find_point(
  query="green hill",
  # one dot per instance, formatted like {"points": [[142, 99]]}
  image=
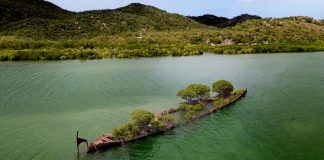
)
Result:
{"points": [[223, 22], [287, 30], [16, 10], [36, 29], [132, 18]]}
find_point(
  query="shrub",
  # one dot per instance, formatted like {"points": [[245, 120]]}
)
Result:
{"points": [[223, 87], [167, 118], [141, 120], [219, 101], [157, 124], [191, 107], [194, 92], [190, 114], [141, 117], [88, 54], [127, 131], [229, 51]]}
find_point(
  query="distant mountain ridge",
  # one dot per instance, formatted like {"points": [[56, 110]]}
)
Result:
{"points": [[223, 22], [40, 19], [44, 19], [15, 10]]}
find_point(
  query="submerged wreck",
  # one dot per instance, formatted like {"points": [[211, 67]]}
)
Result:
{"points": [[145, 124]]}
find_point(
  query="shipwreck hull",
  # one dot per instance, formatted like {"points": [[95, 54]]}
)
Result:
{"points": [[107, 141]]}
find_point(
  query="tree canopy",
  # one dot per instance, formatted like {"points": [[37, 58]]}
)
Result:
{"points": [[223, 87], [142, 117], [194, 92], [140, 120], [126, 131]]}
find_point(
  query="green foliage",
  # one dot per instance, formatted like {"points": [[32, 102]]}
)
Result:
{"points": [[142, 117], [141, 120], [167, 118], [219, 101], [157, 124], [223, 87], [238, 91], [190, 114], [223, 22], [194, 92], [126, 131], [131, 18], [39, 30], [191, 107], [22, 9]]}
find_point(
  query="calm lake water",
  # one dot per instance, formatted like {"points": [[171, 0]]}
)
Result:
{"points": [[43, 104]]}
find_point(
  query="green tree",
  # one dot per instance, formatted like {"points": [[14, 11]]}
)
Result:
{"points": [[126, 131], [186, 94], [140, 121], [167, 118], [191, 107], [223, 87], [194, 92], [142, 118]]}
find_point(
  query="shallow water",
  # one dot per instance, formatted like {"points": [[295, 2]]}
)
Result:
{"points": [[43, 104]]}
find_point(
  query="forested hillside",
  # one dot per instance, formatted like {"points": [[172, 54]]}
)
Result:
{"points": [[37, 29], [223, 22], [132, 18], [15, 10]]}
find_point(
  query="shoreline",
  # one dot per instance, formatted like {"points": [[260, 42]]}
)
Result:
{"points": [[167, 56], [27, 55]]}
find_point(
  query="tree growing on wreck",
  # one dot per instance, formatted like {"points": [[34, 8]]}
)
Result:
{"points": [[140, 121], [126, 131], [194, 92], [223, 87], [142, 118]]}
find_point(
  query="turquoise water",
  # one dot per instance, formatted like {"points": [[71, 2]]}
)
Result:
{"points": [[43, 104]]}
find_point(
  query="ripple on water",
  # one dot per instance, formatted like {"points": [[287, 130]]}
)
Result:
{"points": [[280, 118]]}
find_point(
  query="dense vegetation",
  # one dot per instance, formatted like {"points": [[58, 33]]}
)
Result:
{"points": [[194, 95], [220, 101], [16, 10], [48, 32], [223, 22], [223, 87], [132, 18], [142, 122], [194, 92]]}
